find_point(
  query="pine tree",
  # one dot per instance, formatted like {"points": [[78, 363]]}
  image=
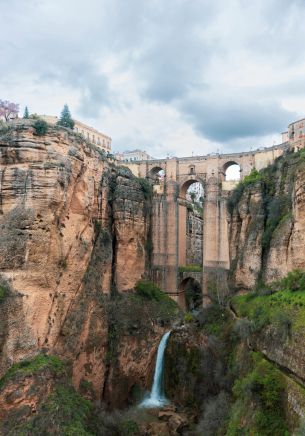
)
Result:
{"points": [[65, 119], [26, 114]]}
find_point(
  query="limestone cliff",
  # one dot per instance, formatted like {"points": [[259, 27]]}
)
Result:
{"points": [[267, 223], [73, 230]]}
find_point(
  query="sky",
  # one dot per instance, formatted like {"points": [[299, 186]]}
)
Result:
{"points": [[174, 77]]}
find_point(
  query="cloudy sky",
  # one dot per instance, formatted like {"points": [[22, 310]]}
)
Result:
{"points": [[172, 77]]}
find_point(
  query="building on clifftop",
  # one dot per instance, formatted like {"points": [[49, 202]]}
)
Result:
{"points": [[100, 139], [133, 155]]}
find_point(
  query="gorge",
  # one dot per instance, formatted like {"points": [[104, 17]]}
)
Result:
{"points": [[87, 249]]}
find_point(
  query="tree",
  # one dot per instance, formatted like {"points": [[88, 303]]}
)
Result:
{"points": [[193, 196], [8, 110], [65, 118], [26, 114]]}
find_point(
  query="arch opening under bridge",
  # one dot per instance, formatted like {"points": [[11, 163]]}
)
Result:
{"points": [[190, 239], [231, 171], [157, 174], [190, 294]]}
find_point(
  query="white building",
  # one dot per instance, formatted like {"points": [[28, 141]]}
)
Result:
{"points": [[133, 155], [100, 139]]}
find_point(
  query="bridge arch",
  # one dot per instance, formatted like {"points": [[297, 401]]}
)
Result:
{"points": [[156, 173], [231, 170], [190, 294], [186, 184]]}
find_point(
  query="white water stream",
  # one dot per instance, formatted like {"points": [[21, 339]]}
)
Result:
{"points": [[157, 397]]}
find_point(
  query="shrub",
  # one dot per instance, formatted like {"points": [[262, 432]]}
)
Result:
{"points": [[259, 391], [294, 281], [243, 328], [283, 324], [145, 187], [188, 317], [30, 366], [4, 289], [150, 291], [128, 428], [260, 318], [301, 429], [64, 412], [237, 193], [41, 127], [214, 416], [190, 268]]}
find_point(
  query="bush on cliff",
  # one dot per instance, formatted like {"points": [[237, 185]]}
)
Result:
{"points": [[259, 406], [280, 304], [237, 193], [4, 289], [41, 127], [150, 291], [214, 416], [31, 366], [294, 281]]}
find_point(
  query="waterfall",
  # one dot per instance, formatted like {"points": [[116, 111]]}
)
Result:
{"points": [[157, 397]]}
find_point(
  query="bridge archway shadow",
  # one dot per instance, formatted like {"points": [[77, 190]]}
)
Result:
{"points": [[190, 294]]}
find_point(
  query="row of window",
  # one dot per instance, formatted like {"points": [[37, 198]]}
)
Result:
{"points": [[95, 140]]}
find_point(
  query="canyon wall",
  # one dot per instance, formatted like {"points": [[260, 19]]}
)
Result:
{"points": [[73, 231], [267, 223]]}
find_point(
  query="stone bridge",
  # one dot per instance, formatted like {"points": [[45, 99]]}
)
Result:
{"points": [[170, 258]]}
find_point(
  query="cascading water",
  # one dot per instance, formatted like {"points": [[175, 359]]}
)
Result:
{"points": [[157, 397]]}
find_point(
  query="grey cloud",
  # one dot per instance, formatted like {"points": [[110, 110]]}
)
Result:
{"points": [[227, 120], [171, 49]]}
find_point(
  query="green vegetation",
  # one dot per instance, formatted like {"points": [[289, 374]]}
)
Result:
{"points": [[275, 184], [281, 304], [31, 366], [190, 268], [26, 114], [41, 127], [128, 428], [149, 291], [136, 314], [237, 193], [4, 289], [294, 281], [64, 412], [214, 319], [188, 317], [145, 187], [259, 405], [65, 119]]}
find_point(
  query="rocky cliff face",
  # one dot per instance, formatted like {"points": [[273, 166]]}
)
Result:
{"points": [[267, 223], [73, 230]]}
